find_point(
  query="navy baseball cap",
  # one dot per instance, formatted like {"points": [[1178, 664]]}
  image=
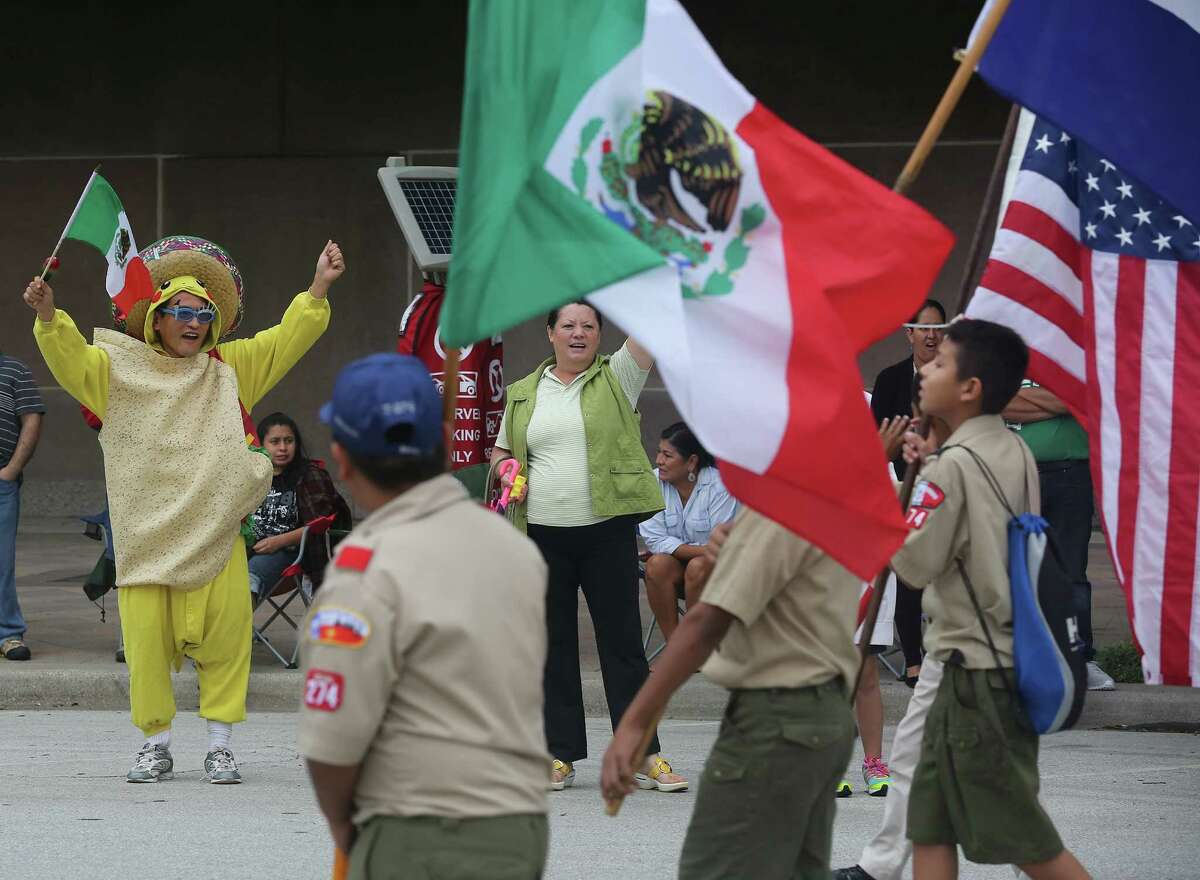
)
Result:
{"points": [[379, 393]]}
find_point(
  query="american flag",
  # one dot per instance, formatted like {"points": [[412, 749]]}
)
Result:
{"points": [[1102, 279]]}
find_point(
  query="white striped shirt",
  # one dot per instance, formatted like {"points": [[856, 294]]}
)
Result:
{"points": [[18, 396]]}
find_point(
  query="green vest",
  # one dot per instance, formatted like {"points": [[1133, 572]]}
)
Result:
{"points": [[619, 473]]}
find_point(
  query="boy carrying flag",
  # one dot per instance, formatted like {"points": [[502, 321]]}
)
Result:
{"points": [[976, 783]]}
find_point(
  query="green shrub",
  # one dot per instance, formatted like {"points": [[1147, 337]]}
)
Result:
{"points": [[1121, 661]]}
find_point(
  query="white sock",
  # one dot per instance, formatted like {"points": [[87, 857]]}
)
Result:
{"points": [[162, 738], [218, 735]]}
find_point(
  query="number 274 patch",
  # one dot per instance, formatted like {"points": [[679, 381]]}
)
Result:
{"points": [[323, 690]]}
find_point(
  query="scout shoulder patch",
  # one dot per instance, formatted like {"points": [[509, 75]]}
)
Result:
{"points": [[339, 627], [916, 517], [928, 495], [324, 690], [353, 558]]}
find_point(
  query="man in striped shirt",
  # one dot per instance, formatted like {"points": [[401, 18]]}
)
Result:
{"points": [[21, 411]]}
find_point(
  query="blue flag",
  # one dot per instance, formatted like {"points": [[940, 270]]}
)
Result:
{"points": [[1122, 75]]}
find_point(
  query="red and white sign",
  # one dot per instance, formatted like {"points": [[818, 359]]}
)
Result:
{"points": [[480, 377], [324, 690]]}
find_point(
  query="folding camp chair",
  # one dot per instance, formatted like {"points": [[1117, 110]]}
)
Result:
{"points": [[650, 633], [103, 576], [889, 665], [292, 583], [679, 603]]}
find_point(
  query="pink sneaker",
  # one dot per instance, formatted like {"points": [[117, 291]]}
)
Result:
{"points": [[876, 775]]}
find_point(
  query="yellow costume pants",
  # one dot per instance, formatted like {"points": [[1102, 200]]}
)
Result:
{"points": [[211, 625]]}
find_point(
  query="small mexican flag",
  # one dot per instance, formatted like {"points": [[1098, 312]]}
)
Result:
{"points": [[606, 152], [99, 220]]}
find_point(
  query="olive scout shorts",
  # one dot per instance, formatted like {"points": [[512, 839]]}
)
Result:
{"points": [[765, 806], [498, 848], [976, 784]]}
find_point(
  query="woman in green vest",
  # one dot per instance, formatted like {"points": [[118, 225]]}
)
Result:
{"points": [[572, 425]]}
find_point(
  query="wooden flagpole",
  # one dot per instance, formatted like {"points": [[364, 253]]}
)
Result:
{"points": [[614, 806], [341, 860], [450, 400], [975, 256], [985, 226], [52, 261], [912, 168], [880, 585], [941, 114]]}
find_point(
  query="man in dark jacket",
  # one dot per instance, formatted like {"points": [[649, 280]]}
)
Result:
{"points": [[890, 398]]}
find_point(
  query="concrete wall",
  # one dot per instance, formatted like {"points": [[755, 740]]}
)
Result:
{"points": [[261, 126]]}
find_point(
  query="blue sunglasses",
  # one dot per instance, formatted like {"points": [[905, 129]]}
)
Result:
{"points": [[185, 314]]}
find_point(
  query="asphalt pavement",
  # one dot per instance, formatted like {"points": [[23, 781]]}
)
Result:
{"points": [[1123, 798], [1124, 802]]}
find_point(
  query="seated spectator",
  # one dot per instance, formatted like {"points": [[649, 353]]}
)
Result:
{"points": [[695, 502], [301, 491]]}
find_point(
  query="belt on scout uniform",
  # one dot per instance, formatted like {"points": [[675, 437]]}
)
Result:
{"points": [[779, 695]]}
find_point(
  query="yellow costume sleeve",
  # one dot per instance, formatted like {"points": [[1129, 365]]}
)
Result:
{"points": [[261, 361], [81, 369]]}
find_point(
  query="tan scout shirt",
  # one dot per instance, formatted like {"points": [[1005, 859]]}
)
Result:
{"points": [[956, 515], [423, 658], [795, 610]]}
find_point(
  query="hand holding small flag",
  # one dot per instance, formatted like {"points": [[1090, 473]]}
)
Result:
{"points": [[49, 268], [39, 296]]}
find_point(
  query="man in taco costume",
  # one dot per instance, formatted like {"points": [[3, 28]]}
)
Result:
{"points": [[175, 402]]}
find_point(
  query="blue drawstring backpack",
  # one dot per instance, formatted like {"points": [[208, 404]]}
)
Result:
{"points": [[1048, 654], [1047, 650]]}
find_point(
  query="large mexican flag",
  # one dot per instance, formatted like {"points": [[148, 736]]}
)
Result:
{"points": [[607, 153], [99, 220]]}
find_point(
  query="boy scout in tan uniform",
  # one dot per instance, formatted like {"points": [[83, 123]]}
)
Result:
{"points": [[422, 713], [976, 782], [780, 615]]}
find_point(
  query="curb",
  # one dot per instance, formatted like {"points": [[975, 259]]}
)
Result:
{"points": [[1131, 705], [109, 690]]}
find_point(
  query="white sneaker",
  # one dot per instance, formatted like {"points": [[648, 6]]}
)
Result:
{"points": [[220, 768], [151, 764], [1098, 679]]}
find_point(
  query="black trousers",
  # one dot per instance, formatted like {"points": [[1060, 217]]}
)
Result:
{"points": [[602, 559], [1067, 504], [907, 618]]}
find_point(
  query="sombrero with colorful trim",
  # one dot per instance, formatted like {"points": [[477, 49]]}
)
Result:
{"points": [[209, 263]]}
